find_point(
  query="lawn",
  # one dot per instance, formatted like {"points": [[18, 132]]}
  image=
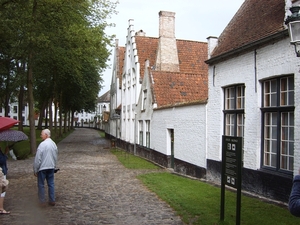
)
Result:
{"points": [[198, 202], [22, 148]]}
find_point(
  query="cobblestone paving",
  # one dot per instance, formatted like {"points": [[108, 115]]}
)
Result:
{"points": [[92, 187]]}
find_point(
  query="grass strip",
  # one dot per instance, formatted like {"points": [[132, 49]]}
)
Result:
{"points": [[198, 203], [131, 161]]}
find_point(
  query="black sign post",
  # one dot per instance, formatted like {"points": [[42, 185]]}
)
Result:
{"points": [[231, 171]]}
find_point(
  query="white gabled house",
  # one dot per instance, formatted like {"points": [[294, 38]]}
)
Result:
{"points": [[254, 93], [116, 92], [130, 86], [164, 94]]}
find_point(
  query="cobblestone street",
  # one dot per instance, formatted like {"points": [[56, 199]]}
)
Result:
{"points": [[92, 187]]}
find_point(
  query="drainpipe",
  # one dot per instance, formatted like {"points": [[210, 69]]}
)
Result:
{"points": [[134, 146]]}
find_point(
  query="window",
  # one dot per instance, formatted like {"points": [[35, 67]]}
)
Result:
{"points": [[278, 123], [141, 132], [144, 99], [148, 133], [15, 109], [234, 110]]}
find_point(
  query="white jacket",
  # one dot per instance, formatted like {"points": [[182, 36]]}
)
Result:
{"points": [[46, 156]]}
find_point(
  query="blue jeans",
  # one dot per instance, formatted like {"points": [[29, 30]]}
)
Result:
{"points": [[49, 176]]}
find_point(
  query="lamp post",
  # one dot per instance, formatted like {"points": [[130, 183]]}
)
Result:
{"points": [[293, 22]]}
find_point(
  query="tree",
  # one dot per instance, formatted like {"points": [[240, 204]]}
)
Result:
{"points": [[64, 48]]}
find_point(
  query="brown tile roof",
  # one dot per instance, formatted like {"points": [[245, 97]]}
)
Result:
{"points": [[121, 55], [174, 89], [255, 20], [146, 49], [104, 98], [191, 54]]}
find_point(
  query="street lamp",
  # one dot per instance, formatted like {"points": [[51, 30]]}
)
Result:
{"points": [[293, 22]]}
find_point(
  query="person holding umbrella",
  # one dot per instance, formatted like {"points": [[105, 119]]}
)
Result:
{"points": [[3, 165], [44, 167], [5, 124]]}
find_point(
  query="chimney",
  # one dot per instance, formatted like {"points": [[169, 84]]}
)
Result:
{"points": [[212, 42], [167, 55], [140, 33]]}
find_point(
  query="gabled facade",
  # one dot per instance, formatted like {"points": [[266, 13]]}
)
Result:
{"points": [[130, 86], [171, 111], [254, 93], [115, 91], [103, 112]]}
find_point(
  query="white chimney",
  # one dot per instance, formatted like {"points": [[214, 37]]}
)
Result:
{"points": [[212, 42], [167, 55]]}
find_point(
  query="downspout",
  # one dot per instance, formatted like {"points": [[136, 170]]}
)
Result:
{"points": [[135, 139], [255, 70], [214, 74]]}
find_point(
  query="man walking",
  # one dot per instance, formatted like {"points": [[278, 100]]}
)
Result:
{"points": [[44, 166]]}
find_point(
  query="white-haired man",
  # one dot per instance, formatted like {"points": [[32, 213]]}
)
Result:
{"points": [[44, 166]]}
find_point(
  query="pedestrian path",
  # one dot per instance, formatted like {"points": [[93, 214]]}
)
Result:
{"points": [[92, 187]]}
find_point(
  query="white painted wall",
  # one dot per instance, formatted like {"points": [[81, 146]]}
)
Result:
{"points": [[272, 60], [189, 124], [130, 86]]}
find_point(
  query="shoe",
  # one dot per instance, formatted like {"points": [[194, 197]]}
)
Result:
{"points": [[52, 203], [4, 212]]}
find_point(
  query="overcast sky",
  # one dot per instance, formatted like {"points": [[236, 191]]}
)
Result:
{"points": [[194, 20]]}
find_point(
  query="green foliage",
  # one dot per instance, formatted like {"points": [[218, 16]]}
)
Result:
{"points": [[22, 148], [63, 45], [101, 133]]}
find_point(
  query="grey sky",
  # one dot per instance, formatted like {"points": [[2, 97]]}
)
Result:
{"points": [[194, 20]]}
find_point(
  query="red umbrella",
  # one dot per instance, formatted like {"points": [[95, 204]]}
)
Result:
{"points": [[7, 122]]}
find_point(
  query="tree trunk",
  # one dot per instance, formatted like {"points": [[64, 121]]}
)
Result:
{"points": [[30, 90], [42, 115], [50, 112], [31, 106], [55, 117], [20, 106]]}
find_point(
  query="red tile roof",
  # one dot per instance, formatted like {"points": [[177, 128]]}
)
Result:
{"points": [[255, 20], [189, 86], [191, 54], [121, 55], [174, 89], [146, 49]]}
